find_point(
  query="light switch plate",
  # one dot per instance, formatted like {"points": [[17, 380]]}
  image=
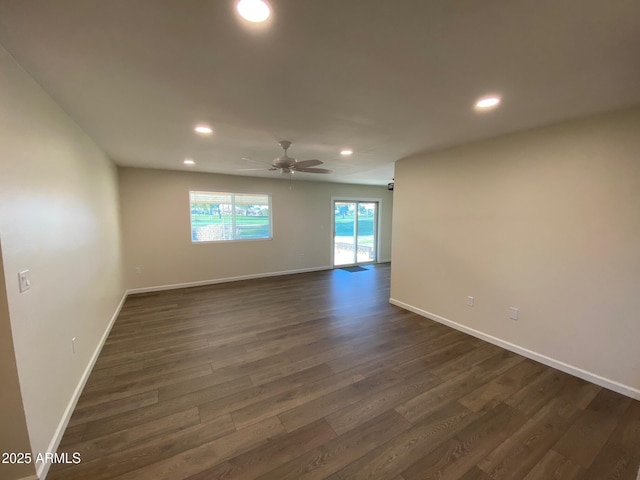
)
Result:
{"points": [[23, 279]]}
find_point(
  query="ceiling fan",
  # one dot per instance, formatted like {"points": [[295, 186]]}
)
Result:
{"points": [[289, 165]]}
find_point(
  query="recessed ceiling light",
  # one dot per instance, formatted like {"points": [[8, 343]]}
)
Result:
{"points": [[188, 161], [346, 151], [203, 129], [488, 102], [255, 11]]}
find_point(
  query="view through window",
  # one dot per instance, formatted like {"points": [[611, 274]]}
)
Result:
{"points": [[355, 232], [220, 216]]}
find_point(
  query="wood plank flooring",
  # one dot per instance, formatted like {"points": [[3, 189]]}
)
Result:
{"points": [[317, 376]]}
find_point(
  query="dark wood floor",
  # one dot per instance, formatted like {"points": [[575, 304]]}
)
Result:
{"points": [[317, 376]]}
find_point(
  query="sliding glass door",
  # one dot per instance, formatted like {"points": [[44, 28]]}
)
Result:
{"points": [[355, 226]]}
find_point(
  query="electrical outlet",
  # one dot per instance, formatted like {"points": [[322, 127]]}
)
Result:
{"points": [[513, 313], [470, 301], [24, 282], [138, 270]]}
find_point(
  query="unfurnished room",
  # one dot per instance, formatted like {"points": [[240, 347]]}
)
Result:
{"points": [[319, 239]]}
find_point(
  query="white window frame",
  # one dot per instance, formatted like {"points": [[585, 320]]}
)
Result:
{"points": [[233, 217]]}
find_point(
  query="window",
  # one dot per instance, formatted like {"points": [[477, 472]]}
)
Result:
{"points": [[220, 216]]}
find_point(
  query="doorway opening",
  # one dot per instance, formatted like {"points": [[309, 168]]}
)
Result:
{"points": [[355, 232]]}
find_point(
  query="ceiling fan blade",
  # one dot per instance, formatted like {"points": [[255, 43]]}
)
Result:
{"points": [[308, 163], [247, 159], [312, 170], [257, 162]]}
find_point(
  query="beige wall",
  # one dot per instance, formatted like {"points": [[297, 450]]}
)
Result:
{"points": [[13, 434], [157, 234], [59, 219], [547, 221]]}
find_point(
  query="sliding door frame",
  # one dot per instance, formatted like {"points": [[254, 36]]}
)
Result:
{"points": [[335, 199]]}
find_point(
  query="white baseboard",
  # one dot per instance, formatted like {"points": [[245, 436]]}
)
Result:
{"points": [[159, 288], [538, 357], [43, 468]]}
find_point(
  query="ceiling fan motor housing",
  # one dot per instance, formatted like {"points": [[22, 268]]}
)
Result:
{"points": [[284, 161]]}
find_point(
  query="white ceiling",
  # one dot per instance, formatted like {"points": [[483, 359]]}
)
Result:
{"points": [[386, 78]]}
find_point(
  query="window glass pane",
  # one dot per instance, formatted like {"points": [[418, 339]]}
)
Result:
{"points": [[252, 216], [366, 231], [211, 218], [345, 231], [214, 218]]}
